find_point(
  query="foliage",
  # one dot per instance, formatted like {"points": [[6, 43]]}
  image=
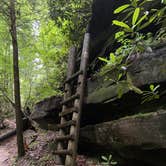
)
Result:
{"points": [[140, 18], [51, 50], [130, 39], [72, 17], [133, 42], [6, 73], [152, 94], [6, 109], [118, 70], [43, 48], [108, 160], [113, 63]]}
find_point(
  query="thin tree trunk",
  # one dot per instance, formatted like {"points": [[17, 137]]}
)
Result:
{"points": [[19, 122]]}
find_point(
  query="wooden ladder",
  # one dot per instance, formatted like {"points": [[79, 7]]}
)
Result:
{"points": [[72, 105]]}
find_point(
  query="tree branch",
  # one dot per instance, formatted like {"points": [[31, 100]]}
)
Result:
{"points": [[7, 98]]}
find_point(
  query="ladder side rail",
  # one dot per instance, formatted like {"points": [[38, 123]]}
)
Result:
{"points": [[74, 130], [68, 88]]}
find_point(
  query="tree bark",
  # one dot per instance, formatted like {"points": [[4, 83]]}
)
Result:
{"points": [[19, 122]]}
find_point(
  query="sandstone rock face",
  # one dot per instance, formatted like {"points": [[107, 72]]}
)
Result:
{"points": [[46, 112], [148, 68], [102, 103], [48, 104], [140, 137]]}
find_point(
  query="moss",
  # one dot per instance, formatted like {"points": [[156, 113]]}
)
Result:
{"points": [[108, 93], [142, 115]]}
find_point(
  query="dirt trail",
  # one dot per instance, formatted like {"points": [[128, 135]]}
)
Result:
{"points": [[37, 152], [8, 151], [4, 155], [39, 146]]}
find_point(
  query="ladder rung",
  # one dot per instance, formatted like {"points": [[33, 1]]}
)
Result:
{"points": [[70, 99], [74, 76], [66, 124], [64, 138], [63, 152], [68, 111]]}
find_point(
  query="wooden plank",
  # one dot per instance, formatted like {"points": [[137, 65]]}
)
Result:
{"points": [[66, 124], [68, 89], [64, 138], [68, 111], [74, 76], [76, 96], [70, 160], [78, 99], [63, 152]]}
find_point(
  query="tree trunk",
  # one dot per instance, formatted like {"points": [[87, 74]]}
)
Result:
{"points": [[19, 122]]}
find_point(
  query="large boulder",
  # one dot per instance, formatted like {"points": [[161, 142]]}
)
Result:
{"points": [[140, 137], [47, 111], [148, 68]]}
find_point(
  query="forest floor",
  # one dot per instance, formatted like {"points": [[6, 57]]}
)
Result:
{"points": [[7, 147], [39, 146]]}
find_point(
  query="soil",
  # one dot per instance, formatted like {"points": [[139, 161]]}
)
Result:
{"points": [[7, 152], [7, 147], [39, 147]]}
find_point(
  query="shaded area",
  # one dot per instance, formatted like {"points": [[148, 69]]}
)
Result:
{"points": [[140, 137], [103, 31]]}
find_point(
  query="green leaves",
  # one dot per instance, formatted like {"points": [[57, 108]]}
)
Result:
{"points": [[163, 1], [121, 8], [139, 17], [76, 13], [103, 59], [154, 88], [112, 58], [42, 52], [151, 19], [108, 160], [122, 24], [135, 16], [135, 20], [150, 95], [151, 87], [104, 158]]}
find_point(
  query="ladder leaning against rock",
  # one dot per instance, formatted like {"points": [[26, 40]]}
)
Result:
{"points": [[70, 116]]}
